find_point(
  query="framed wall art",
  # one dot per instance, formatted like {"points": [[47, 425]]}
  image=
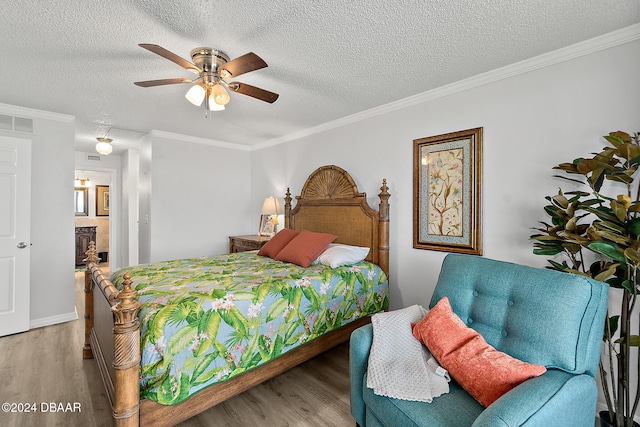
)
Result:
{"points": [[102, 200], [447, 179]]}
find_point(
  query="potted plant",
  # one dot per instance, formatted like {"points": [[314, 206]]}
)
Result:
{"points": [[595, 231]]}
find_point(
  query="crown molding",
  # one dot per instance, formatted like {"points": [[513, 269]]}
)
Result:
{"points": [[596, 44], [198, 140], [32, 113]]}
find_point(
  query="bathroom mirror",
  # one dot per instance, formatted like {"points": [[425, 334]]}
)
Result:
{"points": [[81, 199]]}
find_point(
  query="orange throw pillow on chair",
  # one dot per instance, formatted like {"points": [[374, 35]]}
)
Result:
{"points": [[484, 372]]}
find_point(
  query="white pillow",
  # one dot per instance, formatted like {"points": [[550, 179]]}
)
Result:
{"points": [[336, 255]]}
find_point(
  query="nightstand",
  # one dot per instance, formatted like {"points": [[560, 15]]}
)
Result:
{"points": [[246, 243]]}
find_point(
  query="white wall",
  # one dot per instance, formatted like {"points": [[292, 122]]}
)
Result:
{"points": [[130, 207], [52, 230], [531, 122], [199, 195], [144, 200]]}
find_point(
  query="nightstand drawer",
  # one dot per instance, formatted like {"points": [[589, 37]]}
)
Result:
{"points": [[246, 243]]}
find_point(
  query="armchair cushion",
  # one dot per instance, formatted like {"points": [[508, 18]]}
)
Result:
{"points": [[484, 372]]}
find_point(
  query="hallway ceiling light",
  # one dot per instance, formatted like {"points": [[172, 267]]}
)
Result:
{"points": [[104, 146]]}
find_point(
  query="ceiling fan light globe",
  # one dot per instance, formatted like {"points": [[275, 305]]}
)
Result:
{"points": [[195, 95], [213, 106], [104, 148], [220, 95]]}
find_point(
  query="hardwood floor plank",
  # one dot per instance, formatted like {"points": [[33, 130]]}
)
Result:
{"points": [[45, 366]]}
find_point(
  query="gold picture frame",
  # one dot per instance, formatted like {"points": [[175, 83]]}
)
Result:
{"points": [[267, 227], [447, 179], [102, 200]]}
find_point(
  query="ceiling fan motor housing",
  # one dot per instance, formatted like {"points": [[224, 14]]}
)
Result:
{"points": [[208, 59]]}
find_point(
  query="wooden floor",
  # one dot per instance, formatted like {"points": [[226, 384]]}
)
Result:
{"points": [[43, 369]]}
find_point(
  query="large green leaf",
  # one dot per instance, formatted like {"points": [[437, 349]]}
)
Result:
{"points": [[203, 363], [234, 318], [294, 304], [608, 250], [174, 389], [628, 285], [182, 338], [277, 308], [249, 351], [633, 227], [209, 323], [262, 291], [156, 325], [210, 373], [312, 295], [278, 346]]}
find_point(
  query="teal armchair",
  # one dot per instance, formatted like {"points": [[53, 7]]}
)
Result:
{"points": [[537, 315]]}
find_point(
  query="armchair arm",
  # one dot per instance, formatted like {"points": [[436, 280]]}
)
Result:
{"points": [[554, 398], [359, 348]]}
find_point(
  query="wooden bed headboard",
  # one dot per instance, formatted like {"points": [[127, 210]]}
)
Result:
{"points": [[330, 203]]}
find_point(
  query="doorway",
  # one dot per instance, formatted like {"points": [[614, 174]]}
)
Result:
{"points": [[93, 218]]}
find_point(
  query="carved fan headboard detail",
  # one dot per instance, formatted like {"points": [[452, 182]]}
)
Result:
{"points": [[330, 203]]}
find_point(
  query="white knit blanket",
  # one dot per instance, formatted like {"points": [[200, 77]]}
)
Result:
{"points": [[399, 365]]}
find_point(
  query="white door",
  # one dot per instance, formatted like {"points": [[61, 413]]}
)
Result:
{"points": [[15, 217]]}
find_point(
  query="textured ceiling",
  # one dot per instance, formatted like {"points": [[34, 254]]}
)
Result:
{"points": [[327, 58]]}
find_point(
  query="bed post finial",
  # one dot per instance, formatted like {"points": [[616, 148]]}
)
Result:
{"points": [[287, 208], [92, 254], [92, 257], [126, 361], [383, 228], [384, 201]]}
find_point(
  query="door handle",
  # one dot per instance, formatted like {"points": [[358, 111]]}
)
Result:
{"points": [[22, 245]]}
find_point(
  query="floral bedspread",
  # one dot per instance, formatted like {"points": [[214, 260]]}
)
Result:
{"points": [[205, 320]]}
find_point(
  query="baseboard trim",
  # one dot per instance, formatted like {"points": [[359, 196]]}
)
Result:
{"points": [[52, 320]]}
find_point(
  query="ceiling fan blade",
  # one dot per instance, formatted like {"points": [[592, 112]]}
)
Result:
{"points": [[149, 83], [255, 92], [243, 64], [159, 50]]}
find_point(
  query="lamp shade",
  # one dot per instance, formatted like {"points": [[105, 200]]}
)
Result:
{"points": [[271, 206], [104, 146], [220, 95], [195, 95]]}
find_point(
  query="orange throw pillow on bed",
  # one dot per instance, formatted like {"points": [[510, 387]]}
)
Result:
{"points": [[277, 243], [305, 247], [484, 372]]}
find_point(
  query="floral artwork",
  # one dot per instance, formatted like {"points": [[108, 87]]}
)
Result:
{"points": [[206, 320], [447, 177], [445, 192]]}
